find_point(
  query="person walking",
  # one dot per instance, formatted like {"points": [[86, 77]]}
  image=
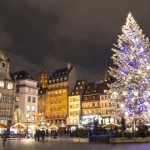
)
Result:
{"points": [[43, 135], [4, 137], [38, 134], [35, 135]]}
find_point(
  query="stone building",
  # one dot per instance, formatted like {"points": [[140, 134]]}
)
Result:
{"points": [[7, 91]]}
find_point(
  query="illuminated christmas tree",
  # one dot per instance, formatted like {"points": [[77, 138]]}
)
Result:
{"points": [[131, 89]]}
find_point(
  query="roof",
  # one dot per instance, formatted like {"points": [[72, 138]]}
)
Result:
{"points": [[94, 88], [61, 72], [79, 88], [21, 75]]}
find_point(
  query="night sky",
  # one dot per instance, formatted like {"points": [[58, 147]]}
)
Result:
{"points": [[81, 32]]}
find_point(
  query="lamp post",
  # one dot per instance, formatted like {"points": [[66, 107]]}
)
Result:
{"points": [[28, 121]]}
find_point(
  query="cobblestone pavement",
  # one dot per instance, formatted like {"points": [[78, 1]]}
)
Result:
{"points": [[67, 144]]}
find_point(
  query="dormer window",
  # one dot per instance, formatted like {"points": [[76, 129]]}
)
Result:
{"points": [[88, 87], [10, 86], [87, 92], [65, 78], [3, 65]]}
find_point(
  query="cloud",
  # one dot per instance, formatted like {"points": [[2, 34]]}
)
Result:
{"points": [[81, 32]]}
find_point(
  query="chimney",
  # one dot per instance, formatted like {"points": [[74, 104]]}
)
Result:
{"points": [[69, 66]]}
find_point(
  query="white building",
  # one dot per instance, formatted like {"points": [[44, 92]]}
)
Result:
{"points": [[27, 97], [75, 97], [7, 91]]}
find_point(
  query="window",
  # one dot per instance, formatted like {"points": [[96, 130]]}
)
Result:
{"points": [[33, 99], [4, 98], [97, 103], [65, 78], [93, 104], [8, 111], [33, 108], [3, 65], [60, 91], [94, 97], [0, 97], [9, 99], [29, 98], [1, 84], [56, 92], [77, 92], [28, 108], [33, 117], [10, 86], [64, 91], [85, 98]]}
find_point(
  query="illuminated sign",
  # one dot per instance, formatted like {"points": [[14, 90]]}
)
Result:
{"points": [[90, 119]]}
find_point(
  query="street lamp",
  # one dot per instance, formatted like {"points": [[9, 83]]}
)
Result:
{"points": [[28, 121]]}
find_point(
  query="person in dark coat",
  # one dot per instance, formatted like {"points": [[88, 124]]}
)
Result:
{"points": [[38, 134], [43, 134], [4, 137], [35, 135]]}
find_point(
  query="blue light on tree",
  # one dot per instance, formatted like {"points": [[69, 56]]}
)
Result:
{"points": [[132, 63]]}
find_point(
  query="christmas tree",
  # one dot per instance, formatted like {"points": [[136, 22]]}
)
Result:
{"points": [[131, 89]]}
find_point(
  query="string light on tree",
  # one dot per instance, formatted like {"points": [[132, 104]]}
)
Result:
{"points": [[131, 89]]}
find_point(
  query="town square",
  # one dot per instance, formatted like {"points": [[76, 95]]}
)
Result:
{"points": [[74, 75]]}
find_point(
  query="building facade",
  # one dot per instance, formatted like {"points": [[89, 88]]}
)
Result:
{"points": [[27, 97], [91, 104], [7, 91], [60, 85], [75, 104], [96, 105]]}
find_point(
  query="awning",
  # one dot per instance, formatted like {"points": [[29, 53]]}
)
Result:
{"points": [[19, 126], [3, 126]]}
